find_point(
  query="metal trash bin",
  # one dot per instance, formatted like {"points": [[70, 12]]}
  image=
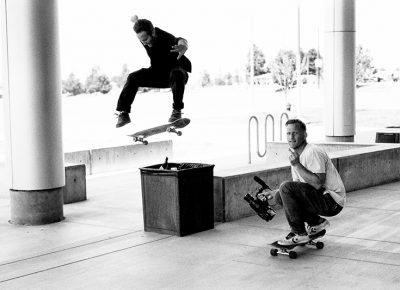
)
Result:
{"points": [[178, 200]]}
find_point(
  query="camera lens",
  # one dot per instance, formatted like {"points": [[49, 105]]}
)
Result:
{"points": [[248, 197]]}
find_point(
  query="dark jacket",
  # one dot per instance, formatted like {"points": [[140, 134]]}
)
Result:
{"points": [[161, 58]]}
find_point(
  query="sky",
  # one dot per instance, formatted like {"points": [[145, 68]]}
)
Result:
{"points": [[219, 32]]}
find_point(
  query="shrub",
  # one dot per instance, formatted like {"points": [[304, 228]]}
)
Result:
{"points": [[72, 86], [121, 79], [98, 82]]}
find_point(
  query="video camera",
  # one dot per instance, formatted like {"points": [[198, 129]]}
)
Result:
{"points": [[262, 208]]}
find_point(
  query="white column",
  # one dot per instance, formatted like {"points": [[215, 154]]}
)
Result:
{"points": [[339, 70], [34, 152], [298, 61]]}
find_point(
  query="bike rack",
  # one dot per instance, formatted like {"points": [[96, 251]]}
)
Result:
{"points": [[280, 123], [258, 137]]}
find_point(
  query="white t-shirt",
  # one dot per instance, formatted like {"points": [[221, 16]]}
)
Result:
{"points": [[316, 160]]}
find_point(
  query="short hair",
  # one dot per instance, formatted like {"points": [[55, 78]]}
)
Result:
{"points": [[300, 123], [143, 25]]}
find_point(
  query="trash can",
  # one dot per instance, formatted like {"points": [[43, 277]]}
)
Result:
{"points": [[178, 200]]}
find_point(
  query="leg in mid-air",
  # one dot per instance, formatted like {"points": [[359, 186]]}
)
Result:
{"points": [[177, 81], [141, 78]]}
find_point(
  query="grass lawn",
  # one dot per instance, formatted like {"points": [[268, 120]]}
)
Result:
{"points": [[219, 115]]}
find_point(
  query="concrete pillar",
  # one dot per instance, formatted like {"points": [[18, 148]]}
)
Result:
{"points": [[34, 153], [339, 70]]}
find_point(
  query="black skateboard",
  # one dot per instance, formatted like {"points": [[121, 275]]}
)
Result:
{"points": [[169, 127], [287, 250]]}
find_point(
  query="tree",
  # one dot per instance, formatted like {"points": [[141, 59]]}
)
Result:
{"points": [[73, 85], [205, 79], [364, 67], [228, 79], [121, 79], [311, 56], [283, 69], [98, 82], [259, 62]]}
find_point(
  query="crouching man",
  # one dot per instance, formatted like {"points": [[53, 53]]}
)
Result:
{"points": [[316, 190]]}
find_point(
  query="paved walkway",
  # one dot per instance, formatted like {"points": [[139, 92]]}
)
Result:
{"points": [[101, 245]]}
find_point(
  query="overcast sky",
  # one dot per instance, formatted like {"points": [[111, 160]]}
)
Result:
{"points": [[99, 32]]}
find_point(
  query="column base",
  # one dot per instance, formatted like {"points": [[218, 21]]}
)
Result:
{"points": [[339, 138], [36, 207]]}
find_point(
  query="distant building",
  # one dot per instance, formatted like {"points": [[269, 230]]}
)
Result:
{"points": [[264, 79]]}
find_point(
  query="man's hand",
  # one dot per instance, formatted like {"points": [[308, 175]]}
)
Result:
{"points": [[294, 157], [268, 195], [180, 48], [265, 195]]}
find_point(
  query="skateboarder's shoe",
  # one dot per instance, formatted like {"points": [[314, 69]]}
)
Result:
{"points": [[294, 239], [176, 115], [312, 230], [123, 119]]}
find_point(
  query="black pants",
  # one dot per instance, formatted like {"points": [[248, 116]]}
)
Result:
{"points": [[303, 203], [175, 79]]}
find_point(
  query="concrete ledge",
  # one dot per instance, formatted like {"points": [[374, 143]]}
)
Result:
{"points": [[364, 166], [229, 191], [122, 157], [75, 183], [79, 157]]}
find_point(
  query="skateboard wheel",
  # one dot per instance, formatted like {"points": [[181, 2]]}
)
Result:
{"points": [[292, 255], [145, 142], [179, 133], [319, 245], [274, 252]]}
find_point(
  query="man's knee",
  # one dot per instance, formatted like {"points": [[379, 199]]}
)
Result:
{"points": [[135, 76], [278, 199], [178, 75], [287, 187]]}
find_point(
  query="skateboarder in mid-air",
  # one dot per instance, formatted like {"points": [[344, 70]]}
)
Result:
{"points": [[169, 68], [316, 190]]}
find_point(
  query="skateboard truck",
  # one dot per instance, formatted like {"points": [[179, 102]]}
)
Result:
{"points": [[172, 129], [140, 139]]}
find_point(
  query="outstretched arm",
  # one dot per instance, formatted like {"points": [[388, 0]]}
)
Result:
{"points": [[180, 47]]}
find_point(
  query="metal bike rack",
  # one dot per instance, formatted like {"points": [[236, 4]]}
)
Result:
{"points": [[280, 123], [258, 137]]}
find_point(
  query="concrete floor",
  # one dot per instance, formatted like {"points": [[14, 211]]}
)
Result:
{"points": [[101, 245]]}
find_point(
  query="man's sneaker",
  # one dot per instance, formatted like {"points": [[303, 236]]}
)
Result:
{"points": [[123, 119], [176, 114], [294, 239], [312, 230]]}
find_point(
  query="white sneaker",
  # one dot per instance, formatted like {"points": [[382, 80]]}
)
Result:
{"points": [[294, 239], [313, 230]]}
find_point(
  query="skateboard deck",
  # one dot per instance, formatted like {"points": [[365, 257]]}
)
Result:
{"points": [[287, 250], [170, 128]]}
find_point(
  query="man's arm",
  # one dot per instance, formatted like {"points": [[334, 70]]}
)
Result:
{"points": [[181, 47], [316, 180]]}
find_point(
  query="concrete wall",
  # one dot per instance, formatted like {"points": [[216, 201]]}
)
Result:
{"points": [[122, 157], [359, 168], [366, 167]]}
